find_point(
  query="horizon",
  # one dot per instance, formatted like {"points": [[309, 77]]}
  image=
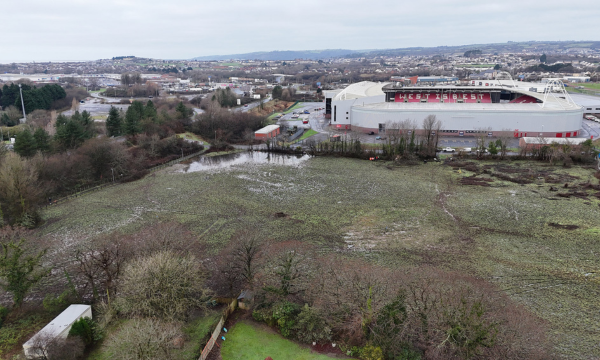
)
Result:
{"points": [[10, 61], [63, 29]]}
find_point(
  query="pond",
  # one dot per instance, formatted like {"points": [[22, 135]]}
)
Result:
{"points": [[204, 163]]}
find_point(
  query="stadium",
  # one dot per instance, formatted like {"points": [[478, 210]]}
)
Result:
{"points": [[467, 109]]}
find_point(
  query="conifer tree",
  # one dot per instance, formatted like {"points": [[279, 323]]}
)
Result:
{"points": [[114, 122], [42, 140], [25, 144]]}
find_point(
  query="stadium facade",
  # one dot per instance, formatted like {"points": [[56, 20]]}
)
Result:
{"points": [[492, 107]]}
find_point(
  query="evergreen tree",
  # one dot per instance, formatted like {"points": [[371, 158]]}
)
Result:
{"points": [[70, 134], [150, 111], [133, 118], [25, 144], [88, 124], [277, 92], [114, 122], [543, 58], [182, 111], [6, 121], [42, 140]]}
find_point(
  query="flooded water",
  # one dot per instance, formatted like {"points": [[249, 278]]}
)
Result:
{"points": [[204, 163]]}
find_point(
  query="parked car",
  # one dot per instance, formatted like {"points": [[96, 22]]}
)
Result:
{"points": [[448, 149], [380, 137], [306, 112]]}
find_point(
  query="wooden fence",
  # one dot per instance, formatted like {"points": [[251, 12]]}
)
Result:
{"points": [[215, 334]]}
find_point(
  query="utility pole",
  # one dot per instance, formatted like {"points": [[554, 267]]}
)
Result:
{"points": [[22, 103]]}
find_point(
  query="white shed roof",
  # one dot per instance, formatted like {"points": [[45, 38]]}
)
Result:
{"points": [[61, 323], [267, 129]]}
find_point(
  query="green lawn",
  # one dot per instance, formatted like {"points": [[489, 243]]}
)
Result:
{"points": [[295, 107], [246, 341], [308, 134], [595, 86]]}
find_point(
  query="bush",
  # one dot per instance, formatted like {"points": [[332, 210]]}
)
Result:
{"points": [[283, 314], [85, 329], [164, 285], [311, 326], [3, 313], [143, 339], [371, 352], [59, 303]]}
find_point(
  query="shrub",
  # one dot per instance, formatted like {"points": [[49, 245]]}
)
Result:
{"points": [[143, 339], [285, 313], [57, 304], [85, 329], [163, 285], [3, 313], [371, 352], [311, 326]]}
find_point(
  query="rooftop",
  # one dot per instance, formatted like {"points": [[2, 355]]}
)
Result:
{"points": [[360, 90]]}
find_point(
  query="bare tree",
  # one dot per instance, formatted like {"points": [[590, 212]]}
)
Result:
{"points": [[431, 129], [101, 263], [246, 253], [504, 137], [142, 339], [50, 347]]}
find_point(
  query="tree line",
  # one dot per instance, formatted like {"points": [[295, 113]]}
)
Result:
{"points": [[33, 98], [70, 153]]}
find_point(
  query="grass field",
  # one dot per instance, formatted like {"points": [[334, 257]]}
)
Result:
{"points": [[308, 134], [594, 86], [400, 217], [295, 107], [248, 342]]}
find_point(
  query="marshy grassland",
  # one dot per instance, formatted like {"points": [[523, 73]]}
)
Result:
{"points": [[540, 247]]}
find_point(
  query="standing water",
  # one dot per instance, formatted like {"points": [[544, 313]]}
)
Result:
{"points": [[204, 163]]}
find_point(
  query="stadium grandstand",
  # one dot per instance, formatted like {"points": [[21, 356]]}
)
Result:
{"points": [[492, 106]]}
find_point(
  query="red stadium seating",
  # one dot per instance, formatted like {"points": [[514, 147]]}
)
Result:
{"points": [[447, 97], [525, 99]]}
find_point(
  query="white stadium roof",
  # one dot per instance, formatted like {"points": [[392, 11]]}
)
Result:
{"points": [[360, 90]]}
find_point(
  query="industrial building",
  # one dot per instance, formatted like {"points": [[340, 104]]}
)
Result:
{"points": [[493, 107]]}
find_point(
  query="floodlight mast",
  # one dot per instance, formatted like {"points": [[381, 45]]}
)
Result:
{"points": [[22, 103]]}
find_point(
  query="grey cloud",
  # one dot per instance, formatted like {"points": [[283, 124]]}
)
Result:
{"points": [[76, 29]]}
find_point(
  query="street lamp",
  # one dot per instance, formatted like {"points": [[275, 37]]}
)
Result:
{"points": [[22, 103]]}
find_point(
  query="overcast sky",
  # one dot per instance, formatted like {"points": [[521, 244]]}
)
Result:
{"points": [[42, 30]]}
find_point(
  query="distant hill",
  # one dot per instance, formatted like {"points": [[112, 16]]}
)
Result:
{"points": [[281, 55], [513, 47], [536, 46]]}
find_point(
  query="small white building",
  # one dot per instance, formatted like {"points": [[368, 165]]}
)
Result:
{"points": [[57, 328]]}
